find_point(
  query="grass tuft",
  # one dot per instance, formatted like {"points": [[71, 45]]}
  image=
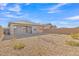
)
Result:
{"points": [[75, 36], [18, 45], [72, 43]]}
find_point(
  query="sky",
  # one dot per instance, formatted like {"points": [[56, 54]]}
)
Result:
{"points": [[59, 14]]}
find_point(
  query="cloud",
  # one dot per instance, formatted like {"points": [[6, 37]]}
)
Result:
{"points": [[3, 5], [28, 3], [55, 8], [64, 23], [13, 16], [10, 15], [54, 11], [73, 18], [16, 8]]}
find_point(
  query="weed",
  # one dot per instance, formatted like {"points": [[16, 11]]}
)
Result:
{"points": [[18, 45], [72, 43], [75, 36]]}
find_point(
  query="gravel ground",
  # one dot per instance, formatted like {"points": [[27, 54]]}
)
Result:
{"points": [[42, 45]]}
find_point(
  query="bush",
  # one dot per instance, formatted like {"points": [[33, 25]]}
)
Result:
{"points": [[75, 36], [72, 43], [18, 45]]}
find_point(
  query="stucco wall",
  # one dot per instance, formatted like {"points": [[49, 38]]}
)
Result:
{"points": [[1, 33]]}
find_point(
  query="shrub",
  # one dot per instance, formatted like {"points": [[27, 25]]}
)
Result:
{"points": [[75, 36], [72, 43], [18, 45]]}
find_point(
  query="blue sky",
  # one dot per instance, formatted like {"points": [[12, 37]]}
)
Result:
{"points": [[59, 14]]}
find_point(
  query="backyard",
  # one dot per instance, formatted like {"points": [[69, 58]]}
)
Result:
{"points": [[47, 44]]}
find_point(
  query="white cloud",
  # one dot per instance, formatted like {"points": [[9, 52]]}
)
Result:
{"points": [[10, 15], [54, 11], [3, 5], [64, 23], [73, 18], [16, 8], [28, 3], [55, 8]]}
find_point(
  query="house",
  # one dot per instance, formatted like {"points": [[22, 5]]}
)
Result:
{"points": [[23, 27]]}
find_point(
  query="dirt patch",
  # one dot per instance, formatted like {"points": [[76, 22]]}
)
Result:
{"points": [[43, 45]]}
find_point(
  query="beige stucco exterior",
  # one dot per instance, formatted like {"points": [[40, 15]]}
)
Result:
{"points": [[29, 27], [1, 33]]}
